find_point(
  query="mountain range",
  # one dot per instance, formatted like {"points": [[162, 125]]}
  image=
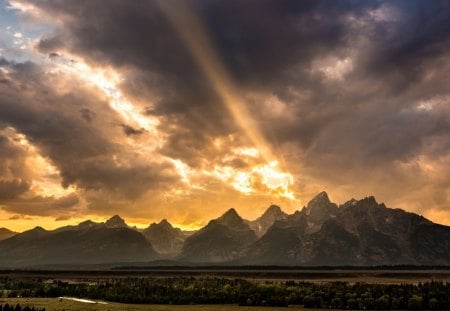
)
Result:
{"points": [[166, 239], [6, 233], [358, 232]]}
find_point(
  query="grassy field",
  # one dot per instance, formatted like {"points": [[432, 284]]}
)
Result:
{"points": [[54, 304]]}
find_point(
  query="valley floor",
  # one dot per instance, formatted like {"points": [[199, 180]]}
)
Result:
{"points": [[57, 304], [372, 276]]}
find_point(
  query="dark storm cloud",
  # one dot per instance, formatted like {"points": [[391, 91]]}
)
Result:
{"points": [[87, 114], [16, 194], [130, 131], [362, 85], [49, 115], [266, 45], [422, 33], [53, 55], [3, 62], [44, 206], [258, 40], [10, 189], [12, 164]]}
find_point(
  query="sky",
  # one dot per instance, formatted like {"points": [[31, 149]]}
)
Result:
{"points": [[184, 109]]}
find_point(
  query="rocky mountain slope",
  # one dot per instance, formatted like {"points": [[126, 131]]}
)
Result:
{"points": [[166, 239], [266, 220], [221, 240], [87, 243], [6, 233], [358, 232]]}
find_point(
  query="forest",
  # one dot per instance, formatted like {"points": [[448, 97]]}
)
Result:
{"points": [[18, 307], [212, 290]]}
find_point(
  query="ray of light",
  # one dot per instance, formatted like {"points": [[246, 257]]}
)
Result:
{"points": [[196, 39]]}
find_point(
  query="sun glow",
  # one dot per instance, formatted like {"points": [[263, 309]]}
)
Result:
{"points": [[183, 170], [107, 80], [276, 180], [250, 181], [192, 32]]}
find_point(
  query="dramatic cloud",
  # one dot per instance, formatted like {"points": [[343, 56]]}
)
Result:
{"points": [[159, 109]]}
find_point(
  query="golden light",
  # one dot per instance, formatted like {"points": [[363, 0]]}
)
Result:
{"points": [[275, 180], [196, 39], [107, 80], [264, 173], [46, 181], [249, 152], [194, 35], [242, 182], [183, 170], [246, 181]]}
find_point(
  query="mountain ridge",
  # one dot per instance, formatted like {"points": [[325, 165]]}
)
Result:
{"points": [[166, 239], [5, 233], [356, 233], [220, 240], [360, 232]]}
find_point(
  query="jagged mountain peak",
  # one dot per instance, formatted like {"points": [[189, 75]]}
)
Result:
{"points": [[165, 238], [230, 218], [6, 230], [165, 223], [267, 219], [359, 232], [5, 233], [351, 202], [116, 222], [317, 212], [37, 229], [35, 232], [220, 240], [370, 200], [273, 211], [115, 217], [320, 206], [319, 200], [365, 203], [87, 223]]}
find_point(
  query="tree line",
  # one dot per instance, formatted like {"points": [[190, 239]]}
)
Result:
{"points": [[212, 290], [18, 307]]}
